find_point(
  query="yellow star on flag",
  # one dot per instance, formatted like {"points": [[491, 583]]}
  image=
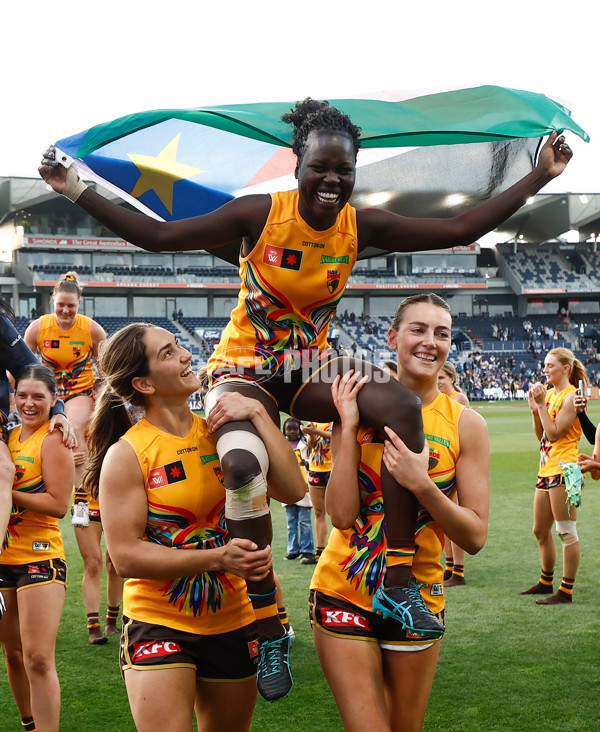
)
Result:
{"points": [[160, 173]]}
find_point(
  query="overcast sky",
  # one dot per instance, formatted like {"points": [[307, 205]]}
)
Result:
{"points": [[69, 65]]}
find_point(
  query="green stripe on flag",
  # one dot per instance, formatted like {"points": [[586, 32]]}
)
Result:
{"points": [[479, 114]]}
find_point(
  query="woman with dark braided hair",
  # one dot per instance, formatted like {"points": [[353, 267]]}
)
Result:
{"points": [[298, 249]]}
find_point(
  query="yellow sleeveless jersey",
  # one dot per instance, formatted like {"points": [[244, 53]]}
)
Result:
{"points": [[30, 536], [352, 565], [320, 458], [291, 284], [564, 449], [186, 511], [68, 353]]}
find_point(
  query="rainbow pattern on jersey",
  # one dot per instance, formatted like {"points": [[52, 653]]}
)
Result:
{"points": [[277, 327], [68, 376], [32, 485], [364, 566], [177, 528]]}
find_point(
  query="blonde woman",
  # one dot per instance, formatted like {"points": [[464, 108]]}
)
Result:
{"points": [[380, 673], [556, 426], [68, 344]]}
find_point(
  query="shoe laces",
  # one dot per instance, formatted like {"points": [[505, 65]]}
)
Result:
{"points": [[413, 590], [272, 657]]}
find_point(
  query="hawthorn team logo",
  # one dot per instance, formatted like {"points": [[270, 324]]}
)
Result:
{"points": [[333, 280]]}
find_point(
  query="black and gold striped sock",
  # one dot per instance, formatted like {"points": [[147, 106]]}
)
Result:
{"points": [[566, 585], [449, 568], [285, 621], [93, 621], [28, 724], [547, 578], [459, 570], [112, 613]]}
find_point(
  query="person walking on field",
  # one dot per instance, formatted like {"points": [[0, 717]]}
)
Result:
{"points": [[558, 487]]}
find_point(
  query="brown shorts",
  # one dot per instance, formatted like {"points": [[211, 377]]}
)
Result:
{"points": [[68, 397], [285, 387], [318, 479], [550, 481], [335, 616], [229, 656], [18, 576]]}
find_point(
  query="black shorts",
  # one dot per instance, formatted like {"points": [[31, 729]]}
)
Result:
{"points": [[318, 479], [550, 481], [18, 576], [229, 656], [335, 616]]}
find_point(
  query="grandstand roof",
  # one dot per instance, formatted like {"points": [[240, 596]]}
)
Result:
{"points": [[546, 217]]}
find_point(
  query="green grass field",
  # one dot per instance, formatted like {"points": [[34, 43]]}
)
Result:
{"points": [[506, 663]]}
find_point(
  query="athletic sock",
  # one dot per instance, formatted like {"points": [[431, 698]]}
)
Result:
{"points": [[93, 621], [398, 562], [112, 613], [267, 614], [320, 550], [28, 724], [547, 578], [283, 618], [459, 570], [449, 568], [80, 494], [566, 585]]}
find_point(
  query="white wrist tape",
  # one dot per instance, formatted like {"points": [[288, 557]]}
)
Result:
{"points": [[74, 187]]}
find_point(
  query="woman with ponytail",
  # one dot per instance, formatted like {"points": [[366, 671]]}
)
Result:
{"points": [[298, 250], [68, 344], [558, 488], [189, 638]]}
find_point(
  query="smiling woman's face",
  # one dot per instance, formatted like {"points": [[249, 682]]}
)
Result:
{"points": [[326, 174]]}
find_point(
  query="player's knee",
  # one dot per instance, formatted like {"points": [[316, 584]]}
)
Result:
{"points": [[567, 532], [38, 663], [243, 456], [239, 466], [92, 566], [541, 534]]}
